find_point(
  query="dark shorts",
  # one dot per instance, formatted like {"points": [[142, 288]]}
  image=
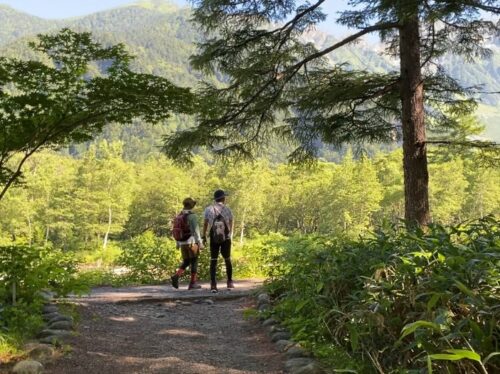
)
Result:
{"points": [[189, 251]]}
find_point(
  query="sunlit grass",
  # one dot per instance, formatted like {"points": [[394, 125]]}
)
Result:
{"points": [[9, 349]]}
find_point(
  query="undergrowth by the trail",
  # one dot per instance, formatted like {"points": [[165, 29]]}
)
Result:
{"points": [[394, 301], [146, 259], [397, 301]]}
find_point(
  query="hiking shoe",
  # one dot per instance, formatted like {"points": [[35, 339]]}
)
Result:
{"points": [[230, 284], [213, 288], [175, 280], [194, 286]]}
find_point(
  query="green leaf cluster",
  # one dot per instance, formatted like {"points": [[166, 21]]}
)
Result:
{"points": [[396, 300], [70, 93]]}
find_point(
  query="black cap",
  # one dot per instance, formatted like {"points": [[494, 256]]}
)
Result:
{"points": [[219, 194]]}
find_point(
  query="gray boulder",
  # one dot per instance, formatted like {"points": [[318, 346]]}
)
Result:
{"points": [[50, 316], [297, 363], [283, 345], [61, 325], [264, 307], [276, 328], [295, 352], [48, 332], [312, 368], [282, 335], [59, 318], [263, 298], [42, 353], [28, 367], [270, 322], [56, 339], [49, 308], [46, 295]]}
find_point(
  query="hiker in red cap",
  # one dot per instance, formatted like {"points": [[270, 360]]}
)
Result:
{"points": [[187, 234]]}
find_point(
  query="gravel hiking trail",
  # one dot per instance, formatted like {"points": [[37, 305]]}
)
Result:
{"points": [[156, 329]]}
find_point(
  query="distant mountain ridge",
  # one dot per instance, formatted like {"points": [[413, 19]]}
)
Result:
{"points": [[162, 38]]}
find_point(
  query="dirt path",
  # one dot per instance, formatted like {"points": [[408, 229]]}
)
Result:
{"points": [[168, 331]]}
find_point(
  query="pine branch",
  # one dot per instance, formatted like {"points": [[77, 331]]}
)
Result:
{"points": [[349, 39], [478, 5], [465, 143]]}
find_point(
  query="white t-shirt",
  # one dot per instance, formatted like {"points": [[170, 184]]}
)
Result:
{"points": [[214, 210]]}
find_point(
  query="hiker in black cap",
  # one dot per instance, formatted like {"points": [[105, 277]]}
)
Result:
{"points": [[219, 224]]}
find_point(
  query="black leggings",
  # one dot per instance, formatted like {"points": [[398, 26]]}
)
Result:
{"points": [[192, 262], [225, 249]]}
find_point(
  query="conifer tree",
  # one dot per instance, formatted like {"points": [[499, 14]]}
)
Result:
{"points": [[280, 85]]}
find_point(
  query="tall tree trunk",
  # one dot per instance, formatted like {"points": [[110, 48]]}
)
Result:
{"points": [[30, 231], [416, 176], [14, 292], [47, 233], [105, 242], [242, 229]]}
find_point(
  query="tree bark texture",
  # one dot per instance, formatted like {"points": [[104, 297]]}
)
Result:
{"points": [[416, 176]]}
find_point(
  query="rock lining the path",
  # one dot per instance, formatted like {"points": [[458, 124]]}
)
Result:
{"points": [[50, 316], [296, 351], [60, 325], [312, 368], [299, 361], [282, 335], [58, 328], [28, 367], [50, 308], [283, 345], [276, 328], [59, 318], [263, 298], [269, 322], [42, 353], [57, 333]]}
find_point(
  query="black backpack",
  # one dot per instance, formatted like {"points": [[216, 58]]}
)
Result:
{"points": [[219, 231]]}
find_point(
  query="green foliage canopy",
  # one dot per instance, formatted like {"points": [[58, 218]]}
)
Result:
{"points": [[70, 93]]}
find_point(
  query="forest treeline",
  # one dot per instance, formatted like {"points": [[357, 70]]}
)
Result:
{"points": [[82, 203]]}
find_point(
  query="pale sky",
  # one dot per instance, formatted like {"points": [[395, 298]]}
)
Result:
{"points": [[54, 9]]}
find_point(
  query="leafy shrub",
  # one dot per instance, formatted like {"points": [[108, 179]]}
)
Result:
{"points": [[24, 272], [149, 258], [105, 257], [253, 258], [28, 270], [398, 300], [21, 320], [102, 277]]}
